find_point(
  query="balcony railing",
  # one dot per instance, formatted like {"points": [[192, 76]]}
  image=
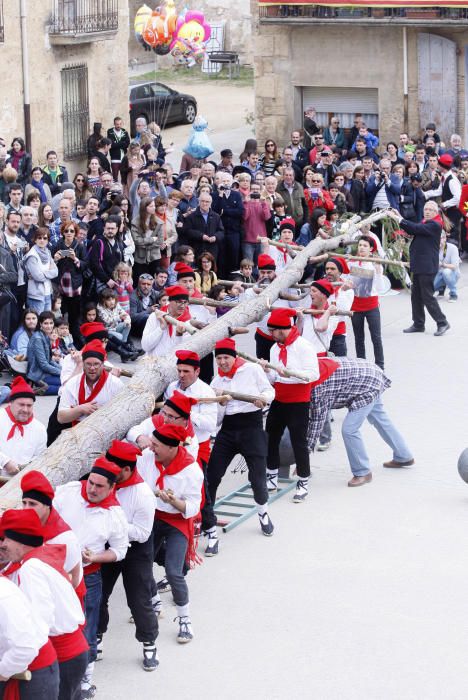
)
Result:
{"points": [[83, 20], [367, 15]]}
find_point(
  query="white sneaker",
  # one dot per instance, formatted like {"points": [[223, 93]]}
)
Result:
{"points": [[322, 446], [272, 480], [185, 630]]}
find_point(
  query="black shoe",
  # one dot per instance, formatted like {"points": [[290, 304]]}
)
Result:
{"points": [[150, 656], [443, 328], [413, 329], [266, 524], [212, 547]]}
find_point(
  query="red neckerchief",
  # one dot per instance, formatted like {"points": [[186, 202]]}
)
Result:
{"points": [[327, 367], [133, 480], [54, 526], [182, 460], [323, 310], [16, 424], [285, 253], [158, 420], [185, 316], [238, 362], [196, 295], [283, 354], [437, 218], [95, 390], [51, 554], [107, 503]]}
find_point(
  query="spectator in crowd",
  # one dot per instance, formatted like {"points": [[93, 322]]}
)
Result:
{"points": [[20, 160], [93, 174], [269, 158], [383, 188], [28, 227], [148, 238], [53, 173], [228, 204], [412, 198], [315, 195], [8, 284], [105, 253], [120, 142], [82, 188], [143, 301], [225, 164], [456, 150], [293, 195], [42, 368], [334, 135], [205, 275], [93, 140], [449, 269], [15, 196], [70, 257], [17, 247], [41, 270], [64, 214], [203, 228], [23, 334], [45, 217], [256, 214], [430, 134], [38, 185]]}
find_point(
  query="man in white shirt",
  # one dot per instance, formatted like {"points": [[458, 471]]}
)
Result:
{"points": [[92, 388], [241, 431], [94, 514], [160, 337], [204, 419], [22, 437], [290, 409], [139, 504], [343, 297], [449, 192]]}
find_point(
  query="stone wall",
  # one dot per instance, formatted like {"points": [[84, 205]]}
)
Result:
{"points": [[107, 62], [238, 34]]}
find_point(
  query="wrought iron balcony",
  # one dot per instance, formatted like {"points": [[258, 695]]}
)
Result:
{"points": [[335, 14], [83, 21]]}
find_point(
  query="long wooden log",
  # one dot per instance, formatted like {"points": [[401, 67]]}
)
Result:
{"points": [[318, 312], [72, 454], [287, 373], [280, 244], [381, 261], [214, 303], [249, 285]]}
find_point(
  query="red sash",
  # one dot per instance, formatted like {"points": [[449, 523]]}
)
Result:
{"points": [[45, 657], [204, 452], [185, 316], [283, 354], [187, 527], [238, 362], [69, 645], [16, 424]]}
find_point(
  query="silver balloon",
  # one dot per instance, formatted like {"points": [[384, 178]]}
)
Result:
{"points": [[463, 465]]}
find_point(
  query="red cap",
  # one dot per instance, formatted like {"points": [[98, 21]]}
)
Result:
{"points": [[446, 160], [265, 262], [226, 346], [187, 357], [93, 331], [183, 270], [23, 526], [38, 487], [21, 390], [181, 403], [177, 292], [341, 264], [94, 349], [106, 468], [170, 434], [288, 224], [123, 454], [281, 318], [323, 286]]}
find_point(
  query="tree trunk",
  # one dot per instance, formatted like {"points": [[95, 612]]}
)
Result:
{"points": [[72, 454]]}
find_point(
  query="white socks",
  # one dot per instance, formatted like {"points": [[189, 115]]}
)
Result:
{"points": [[261, 510]]}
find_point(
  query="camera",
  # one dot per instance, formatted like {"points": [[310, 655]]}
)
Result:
{"points": [[222, 188], [66, 253], [255, 195]]}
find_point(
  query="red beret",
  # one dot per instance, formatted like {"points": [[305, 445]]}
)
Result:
{"points": [[266, 262], [21, 390], [226, 346], [38, 487], [106, 468], [341, 264], [170, 434], [93, 331], [288, 224], [183, 270], [181, 403], [281, 318], [187, 357], [446, 160], [94, 349], [23, 526], [177, 292], [323, 286], [123, 454]]}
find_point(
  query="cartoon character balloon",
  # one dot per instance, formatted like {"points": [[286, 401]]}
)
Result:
{"points": [[191, 34], [159, 29], [141, 19]]}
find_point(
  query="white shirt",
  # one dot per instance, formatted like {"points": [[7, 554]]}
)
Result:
{"points": [[94, 527], [138, 504], [201, 313], [21, 448], [22, 631], [320, 340], [302, 357], [146, 427], [278, 257], [186, 484], [279, 303], [202, 415], [51, 595], [73, 550], [454, 187], [69, 397], [248, 379], [157, 341]]}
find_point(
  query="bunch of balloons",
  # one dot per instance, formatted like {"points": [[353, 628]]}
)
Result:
{"points": [[163, 32]]}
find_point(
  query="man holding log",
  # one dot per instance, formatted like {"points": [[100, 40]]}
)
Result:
{"points": [[342, 297], [241, 429], [281, 255], [204, 418], [160, 337], [290, 409]]}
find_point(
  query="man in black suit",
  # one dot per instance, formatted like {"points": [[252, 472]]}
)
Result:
{"points": [[228, 204], [203, 228]]}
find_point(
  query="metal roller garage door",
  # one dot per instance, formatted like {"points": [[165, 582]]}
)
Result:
{"points": [[344, 103]]}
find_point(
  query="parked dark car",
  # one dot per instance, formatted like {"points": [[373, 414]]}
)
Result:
{"points": [[161, 104]]}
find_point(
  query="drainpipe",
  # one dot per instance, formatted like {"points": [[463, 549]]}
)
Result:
{"points": [[405, 80], [25, 62]]}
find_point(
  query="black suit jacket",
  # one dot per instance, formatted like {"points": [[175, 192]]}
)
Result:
{"points": [[424, 248], [195, 228]]}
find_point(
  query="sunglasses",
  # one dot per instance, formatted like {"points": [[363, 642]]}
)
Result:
{"points": [[316, 182], [69, 230], [79, 179], [41, 238]]}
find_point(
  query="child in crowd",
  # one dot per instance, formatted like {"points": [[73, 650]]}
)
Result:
{"points": [[218, 293], [57, 305], [65, 339], [118, 322], [245, 273], [123, 277], [279, 213], [163, 300], [90, 312]]}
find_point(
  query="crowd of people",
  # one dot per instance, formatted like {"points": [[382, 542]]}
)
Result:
{"points": [[133, 258]]}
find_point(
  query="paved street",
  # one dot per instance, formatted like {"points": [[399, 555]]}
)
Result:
{"points": [[361, 593]]}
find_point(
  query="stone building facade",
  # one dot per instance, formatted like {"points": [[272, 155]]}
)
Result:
{"points": [[78, 73], [399, 69]]}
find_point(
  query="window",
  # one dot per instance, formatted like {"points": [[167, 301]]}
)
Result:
{"points": [[160, 90], [75, 110], [84, 16]]}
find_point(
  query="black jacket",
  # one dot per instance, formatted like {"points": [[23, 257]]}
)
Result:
{"points": [[230, 211], [104, 257], [411, 201], [60, 179], [138, 313], [424, 248], [195, 228], [66, 264], [119, 144]]}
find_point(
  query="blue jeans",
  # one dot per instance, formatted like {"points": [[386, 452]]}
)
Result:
{"points": [[4, 394], [92, 605], [447, 278], [121, 332], [251, 251], [39, 305], [176, 549], [53, 380], [355, 448]]}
